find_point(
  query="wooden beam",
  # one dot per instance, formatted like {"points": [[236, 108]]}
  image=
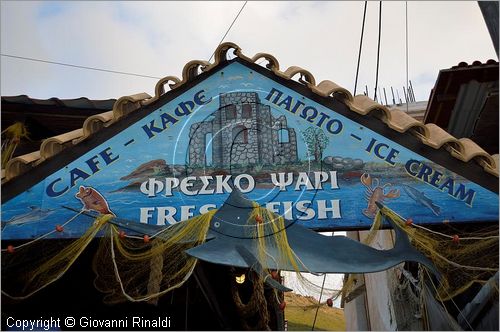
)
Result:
{"points": [[210, 296]]}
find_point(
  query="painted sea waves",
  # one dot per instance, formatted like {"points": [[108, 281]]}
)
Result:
{"points": [[353, 195]]}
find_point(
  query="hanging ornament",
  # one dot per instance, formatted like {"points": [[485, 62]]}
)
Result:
{"points": [[329, 302], [10, 249], [121, 234], [282, 305], [59, 228], [258, 218], [455, 238], [409, 222], [146, 238]]}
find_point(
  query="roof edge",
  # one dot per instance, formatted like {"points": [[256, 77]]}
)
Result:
{"points": [[430, 134]]}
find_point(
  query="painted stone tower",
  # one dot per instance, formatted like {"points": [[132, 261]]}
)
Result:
{"points": [[242, 132]]}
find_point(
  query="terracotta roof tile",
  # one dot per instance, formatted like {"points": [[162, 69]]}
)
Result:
{"points": [[492, 169], [53, 145], [96, 122], [363, 105], [401, 122], [19, 165], [464, 150], [328, 88]]}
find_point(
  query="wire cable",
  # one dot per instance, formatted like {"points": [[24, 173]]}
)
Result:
{"points": [[360, 46], [378, 47], [320, 295], [319, 302], [406, 31], [46, 234], [237, 15], [77, 66], [114, 71]]}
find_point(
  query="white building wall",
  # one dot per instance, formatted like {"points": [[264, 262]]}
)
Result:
{"points": [[377, 309]]}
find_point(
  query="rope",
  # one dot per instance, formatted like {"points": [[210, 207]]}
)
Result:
{"points": [[257, 304], [156, 274], [100, 221], [451, 237], [378, 46], [360, 46], [150, 296], [141, 237], [423, 310], [442, 303], [45, 235], [468, 267], [394, 216]]}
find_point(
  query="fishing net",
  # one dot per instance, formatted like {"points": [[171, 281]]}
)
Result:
{"points": [[33, 266], [268, 223], [137, 269], [142, 268], [463, 258]]}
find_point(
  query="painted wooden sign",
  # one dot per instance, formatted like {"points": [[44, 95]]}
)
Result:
{"points": [[238, 127]]}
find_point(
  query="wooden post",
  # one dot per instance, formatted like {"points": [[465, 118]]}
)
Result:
{"points": [[489, 9]]}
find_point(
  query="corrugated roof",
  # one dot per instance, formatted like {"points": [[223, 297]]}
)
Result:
{"points": [[448, 84], [465, 93], [431, 135], [81, 102], [476, 63]]}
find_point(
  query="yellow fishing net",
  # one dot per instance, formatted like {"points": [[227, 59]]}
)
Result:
{"points": [[137, 268], [463, 258], [32, 267], [269, 223]]}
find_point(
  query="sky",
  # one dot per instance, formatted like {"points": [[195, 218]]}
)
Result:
{"points": [[158, 38]]}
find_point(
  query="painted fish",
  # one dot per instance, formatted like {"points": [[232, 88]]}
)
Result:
{"points": [[93, 200], [420, 197], [35, 214]]}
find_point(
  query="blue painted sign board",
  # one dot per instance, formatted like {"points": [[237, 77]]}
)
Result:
{"points": [[282, 149]]}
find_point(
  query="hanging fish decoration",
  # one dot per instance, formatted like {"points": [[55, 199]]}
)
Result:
{"points": [[316, 253]]}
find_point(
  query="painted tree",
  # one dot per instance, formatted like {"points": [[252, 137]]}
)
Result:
{"points": [[316, 141]]}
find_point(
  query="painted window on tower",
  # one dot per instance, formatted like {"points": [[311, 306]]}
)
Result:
{"points": [[230, 112], [240, 134], [246, 112], [283, 136]]}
